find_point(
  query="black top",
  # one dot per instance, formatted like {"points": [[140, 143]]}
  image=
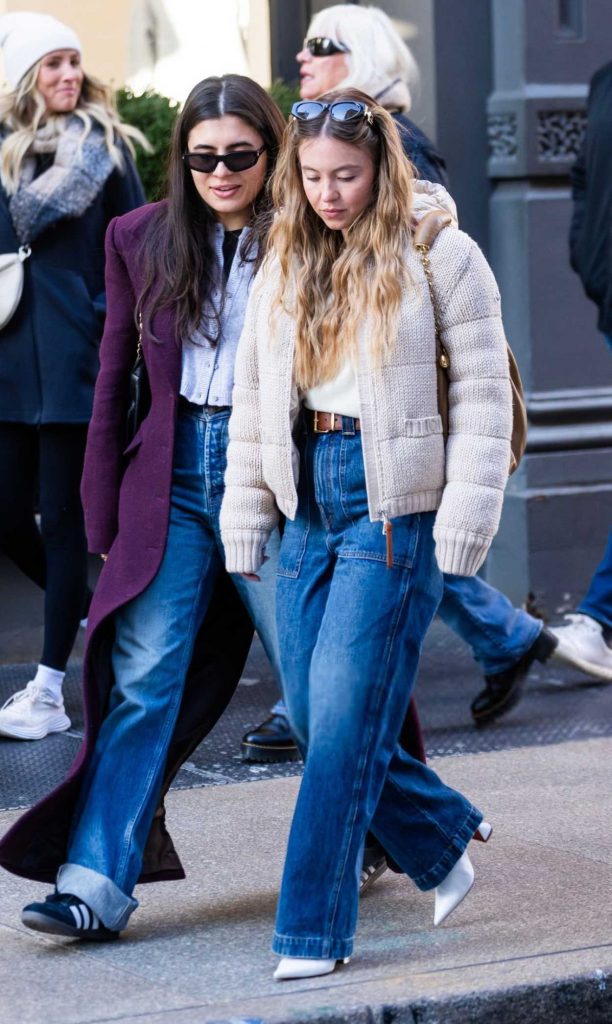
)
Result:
{"points": [[230, 245]]}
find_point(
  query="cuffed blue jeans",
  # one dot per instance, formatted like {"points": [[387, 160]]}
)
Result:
{"points": [[154, 639], [598, 600], [350, 632], [498, 633]]}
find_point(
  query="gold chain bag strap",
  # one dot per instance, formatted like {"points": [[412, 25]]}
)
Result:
{"points": [[425, 234]]}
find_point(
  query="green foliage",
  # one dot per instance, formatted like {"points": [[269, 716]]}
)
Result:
{"points": [[154, 114], [285, 95]]}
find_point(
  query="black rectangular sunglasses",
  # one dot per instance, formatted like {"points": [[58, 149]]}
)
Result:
{"points": [[321, 46], [241, 160]]}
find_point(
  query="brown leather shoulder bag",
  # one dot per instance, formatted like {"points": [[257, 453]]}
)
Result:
{"points": [[425, 234]]}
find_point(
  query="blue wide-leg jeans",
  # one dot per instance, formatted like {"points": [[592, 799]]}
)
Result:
{"points": [[498, 633], [598, 600], [350, 632], [154, 639]]}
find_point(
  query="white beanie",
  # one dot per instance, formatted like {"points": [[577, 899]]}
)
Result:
{"points": [[25, 37]]}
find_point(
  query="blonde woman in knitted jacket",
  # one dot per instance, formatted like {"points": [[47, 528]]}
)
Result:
{"points": [[335, 425]]}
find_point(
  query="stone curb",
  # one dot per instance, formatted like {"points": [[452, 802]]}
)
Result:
{"points": [[586, 997]]}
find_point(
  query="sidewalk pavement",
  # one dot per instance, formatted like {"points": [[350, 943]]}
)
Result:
{"points": [[531, 943]]}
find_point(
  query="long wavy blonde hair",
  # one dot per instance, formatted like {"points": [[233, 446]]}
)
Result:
{"points": [[327, 283], [24, 113]]}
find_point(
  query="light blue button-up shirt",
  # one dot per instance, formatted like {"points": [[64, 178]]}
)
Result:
{"points": [[208, 372]]}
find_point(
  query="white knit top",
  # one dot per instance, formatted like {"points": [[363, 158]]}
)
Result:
{"points": [[340, 394]]}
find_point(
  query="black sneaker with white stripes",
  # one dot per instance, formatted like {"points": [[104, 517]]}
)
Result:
{"points": [[63, 914], [370, 872]]}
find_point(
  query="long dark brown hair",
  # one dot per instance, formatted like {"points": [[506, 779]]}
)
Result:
{"points": [[178, 252]]}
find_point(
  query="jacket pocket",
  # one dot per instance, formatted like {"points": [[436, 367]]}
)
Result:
{"points": [[293, 547], [423, 426], [295, 532], [413, 461]]}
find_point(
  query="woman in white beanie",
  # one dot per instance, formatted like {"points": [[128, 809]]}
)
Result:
{"points": [[65, 170]]}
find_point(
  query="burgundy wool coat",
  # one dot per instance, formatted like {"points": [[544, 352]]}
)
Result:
{"points": [[126, 498]]}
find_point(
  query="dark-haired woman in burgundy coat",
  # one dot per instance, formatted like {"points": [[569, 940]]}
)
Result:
{"points": [[183, 269]]}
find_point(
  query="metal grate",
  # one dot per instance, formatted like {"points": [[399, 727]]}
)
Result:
{"points": [[559, 705]]}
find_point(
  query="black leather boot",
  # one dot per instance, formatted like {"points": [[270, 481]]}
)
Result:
{"points": [[504, 690], [270, 742]]}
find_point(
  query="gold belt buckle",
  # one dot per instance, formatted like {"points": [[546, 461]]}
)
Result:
{"points": [[316, 428]]}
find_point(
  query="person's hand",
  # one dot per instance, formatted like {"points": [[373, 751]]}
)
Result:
{"points": [[103, 557], [252, 576]]}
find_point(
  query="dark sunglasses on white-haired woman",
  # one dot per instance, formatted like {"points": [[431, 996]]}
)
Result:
{"points": [[321, 46]]}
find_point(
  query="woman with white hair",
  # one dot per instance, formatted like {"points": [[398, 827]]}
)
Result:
{"points": [[349, 46], [66, 170]]}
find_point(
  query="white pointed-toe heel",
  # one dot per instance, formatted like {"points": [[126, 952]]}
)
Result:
{"points": [[453, 889], [305, 967], [484, 832]]}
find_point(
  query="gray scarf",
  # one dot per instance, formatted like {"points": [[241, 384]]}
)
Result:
{"points": [[68, 187]]}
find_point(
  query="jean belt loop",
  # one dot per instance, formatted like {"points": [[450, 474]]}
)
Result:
{"points": [[348, 426]]}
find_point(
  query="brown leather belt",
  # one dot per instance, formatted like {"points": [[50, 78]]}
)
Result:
{"points": [[326, 422]]}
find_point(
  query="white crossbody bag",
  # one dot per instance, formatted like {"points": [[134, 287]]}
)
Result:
{"points": [[11, 281]]}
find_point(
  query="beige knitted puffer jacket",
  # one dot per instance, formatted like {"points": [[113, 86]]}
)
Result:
{"points": [[407, 466]]}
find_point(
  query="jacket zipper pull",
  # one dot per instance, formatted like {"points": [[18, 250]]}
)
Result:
{"points": [[388, 532]]}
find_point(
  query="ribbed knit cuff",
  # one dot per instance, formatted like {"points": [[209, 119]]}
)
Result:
{"points": [[460, 553], [244, 550]]}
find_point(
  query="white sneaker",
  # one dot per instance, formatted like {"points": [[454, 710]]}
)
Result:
{"points": [[582, 643], [31, 714]]}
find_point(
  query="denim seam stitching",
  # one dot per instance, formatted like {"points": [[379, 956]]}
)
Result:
{"points": [[343, 462], [293, 574], [372, 556]]}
